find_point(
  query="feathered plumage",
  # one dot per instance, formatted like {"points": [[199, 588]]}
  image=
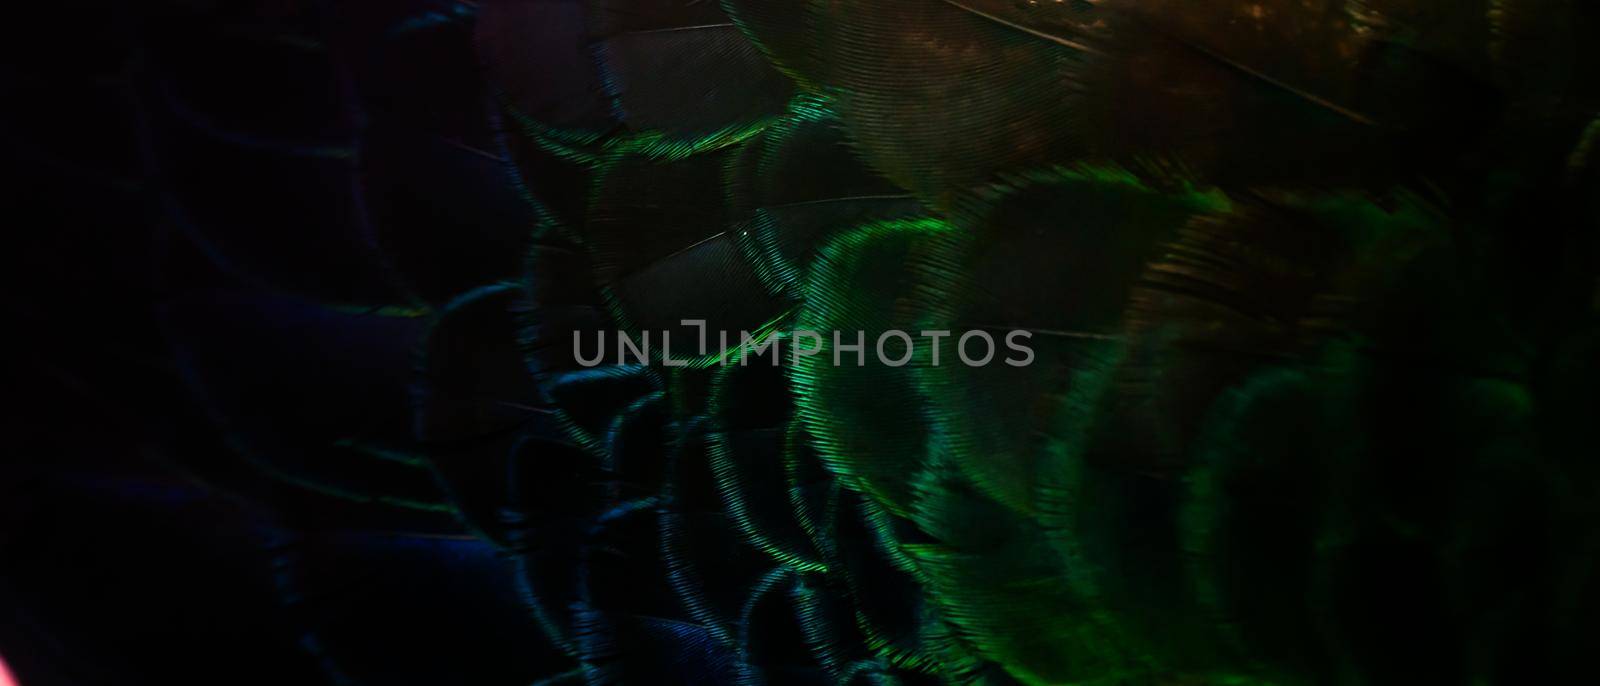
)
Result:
{"points": [[1311, 290]]}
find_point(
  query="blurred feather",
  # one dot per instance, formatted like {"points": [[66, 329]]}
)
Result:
{"points": [[937, 98], [677, 77], [536, 53], [866, 418], [342, 375], [473, 403], [796, 186], [785, 31], [658, 232], [1056, 254]]}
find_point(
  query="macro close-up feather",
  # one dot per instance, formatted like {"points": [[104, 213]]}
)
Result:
{"points": [[325, 356]]}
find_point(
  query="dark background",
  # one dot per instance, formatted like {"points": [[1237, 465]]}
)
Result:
{"points": [[136, 547]]}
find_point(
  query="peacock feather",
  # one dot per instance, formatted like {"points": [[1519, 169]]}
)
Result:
{"points": [[336, 389]]}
